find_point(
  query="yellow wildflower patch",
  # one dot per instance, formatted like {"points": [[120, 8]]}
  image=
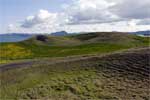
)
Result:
{"points": [[14, 51]]}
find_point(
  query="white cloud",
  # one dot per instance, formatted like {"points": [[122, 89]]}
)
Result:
{"points": [[90, 11], [41, 17], [132, 9], [144, 22], [122, 26], [42, 22], [90, 15]]}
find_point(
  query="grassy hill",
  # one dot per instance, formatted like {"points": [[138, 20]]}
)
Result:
{"points": [[117, 76], [80, 44], [91, 66]]}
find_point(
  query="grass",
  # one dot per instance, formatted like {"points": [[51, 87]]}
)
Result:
{"points": [[115, 77], [17, 51], [73, 84], [106, 78], [34, 77], [82, 44], [23, 51]]}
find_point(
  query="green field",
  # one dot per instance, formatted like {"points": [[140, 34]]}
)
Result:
{"points": [[92, 66], [95, 78], [70, 45]]}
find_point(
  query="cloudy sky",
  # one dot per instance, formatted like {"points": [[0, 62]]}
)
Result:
{"points": [[46, 16]]}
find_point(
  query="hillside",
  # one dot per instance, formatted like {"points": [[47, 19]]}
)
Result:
{"points": [[87, 38], [42, 46], [118, 76], [48, 40]]}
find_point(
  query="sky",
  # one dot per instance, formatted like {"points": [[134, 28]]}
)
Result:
{"points": [[46, 16]]}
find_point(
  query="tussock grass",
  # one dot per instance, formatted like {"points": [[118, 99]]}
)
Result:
{"points": [[96, 78]]}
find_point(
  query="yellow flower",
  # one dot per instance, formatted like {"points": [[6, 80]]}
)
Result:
{"points": [[14, 51]]}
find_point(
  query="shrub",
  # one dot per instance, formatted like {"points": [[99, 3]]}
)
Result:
{"points": [[42, 38]]}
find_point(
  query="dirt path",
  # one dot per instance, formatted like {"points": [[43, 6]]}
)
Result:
{"points": [[51, 61]]}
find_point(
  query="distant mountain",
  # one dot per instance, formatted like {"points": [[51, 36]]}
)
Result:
{"points": [[144, 33], [14, 37], [61, 33]]}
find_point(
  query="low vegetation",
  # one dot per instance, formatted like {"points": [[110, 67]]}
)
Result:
{"points": [[92, 66], [91, 43], [113, 77], [14, 51]]}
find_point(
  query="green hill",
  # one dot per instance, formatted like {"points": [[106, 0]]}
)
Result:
{"points": [[80, 44], [90, 66], [51, 40], [118, 76], [87, 38]]}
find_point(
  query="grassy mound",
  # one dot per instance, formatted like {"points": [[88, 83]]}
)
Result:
{"points": [[81, 44], [112, 77]]}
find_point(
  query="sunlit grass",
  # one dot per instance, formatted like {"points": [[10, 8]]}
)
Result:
{"points": [[13, 51], [27, 50]]}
